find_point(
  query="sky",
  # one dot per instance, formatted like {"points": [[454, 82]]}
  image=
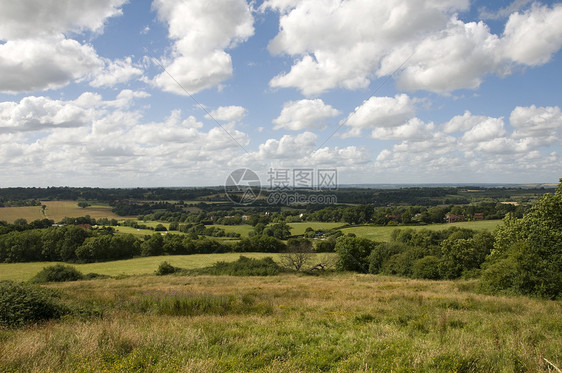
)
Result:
{"points": [[167, 93]]}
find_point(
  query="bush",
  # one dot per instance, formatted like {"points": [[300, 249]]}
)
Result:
{"points": [[166, 268], [353, 253], [245, 266], [426, 267], [21, 304], [57, 273]]}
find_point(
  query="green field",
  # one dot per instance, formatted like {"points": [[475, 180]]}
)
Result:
{"points": [[383, 234], [137, 266], [288, 323]]}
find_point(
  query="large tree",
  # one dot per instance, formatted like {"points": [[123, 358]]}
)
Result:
{"points": [[527, 254]]}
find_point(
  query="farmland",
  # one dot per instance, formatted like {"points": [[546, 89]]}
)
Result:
{"points": [[56, 210], [288, 323]]}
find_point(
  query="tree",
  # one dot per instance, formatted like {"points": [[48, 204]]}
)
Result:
{"points": [[83, 204], [527, 254], [353, 253], [299, 254]]}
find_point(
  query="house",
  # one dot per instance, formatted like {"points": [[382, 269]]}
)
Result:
{"points": [[478, 216], [452, 218]]}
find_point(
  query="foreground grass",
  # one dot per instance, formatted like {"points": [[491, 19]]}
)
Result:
{"points": [[289, 323], [136, 266]]}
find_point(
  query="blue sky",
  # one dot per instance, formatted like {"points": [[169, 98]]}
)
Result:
{"points": [[401, 91]]}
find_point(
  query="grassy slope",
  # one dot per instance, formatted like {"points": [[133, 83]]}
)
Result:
{"points": [[334, 323], [137, 266]]}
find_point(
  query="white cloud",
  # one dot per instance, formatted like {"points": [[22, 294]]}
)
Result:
{"points": [[536, 121], [532, 37], [486, 130], [424, 42], [462, 123], [201, 31], [453, 58], [228, 113], [38, 64], [116, 72], [292, 147], [414, 129], [304, 114], [39, 55], [38, 18], [381, 112]]}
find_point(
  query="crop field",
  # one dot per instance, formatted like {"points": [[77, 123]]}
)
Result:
{"points": [[288, 323], [56, 210], [383, 234], [137, 266], [30, 213]]}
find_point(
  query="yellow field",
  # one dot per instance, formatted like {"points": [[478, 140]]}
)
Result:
{"points": [[56, 210]]}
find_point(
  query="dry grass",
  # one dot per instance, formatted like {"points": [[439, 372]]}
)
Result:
{"points": [[342, 322], [56, 210]]}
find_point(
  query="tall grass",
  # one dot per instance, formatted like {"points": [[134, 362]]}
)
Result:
{"points": [[288, 323]]}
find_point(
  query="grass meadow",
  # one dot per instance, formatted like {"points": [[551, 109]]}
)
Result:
{"points": [[288, 323], [383, 234], [129, 267]]}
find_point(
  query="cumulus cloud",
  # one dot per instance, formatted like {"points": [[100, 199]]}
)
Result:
{"points": [[380, 112], [424, 42], [116, 72], [532, 37], [292, 147], [228, 113], [305, 114], [25, 19], [488, 129], [38, 64], [38, 54], [536, 121], [201, 31]]}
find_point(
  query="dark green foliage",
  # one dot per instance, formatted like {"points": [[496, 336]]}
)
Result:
{"points": [[166, 268], [57, 273], [281, 231], [21, 304], [527, 255], [325, 246], [264, 244], [244, 266], [108, 247], [382, 252], [353, 253], [461, 253], [426, 267]]}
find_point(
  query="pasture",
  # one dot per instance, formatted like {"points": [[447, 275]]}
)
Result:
{"points": [[288, 323], [383, 234], [129, 267]]}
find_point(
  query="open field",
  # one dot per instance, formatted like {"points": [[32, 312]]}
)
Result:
{"points": [[56, 210], [289, 323], [299, 228], [137, 266], [29, 213], [382, 234]]}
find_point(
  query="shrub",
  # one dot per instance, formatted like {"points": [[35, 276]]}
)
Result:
{"points": [[57, 273], [165, 268], [21, 304], [245, 266], [381, 253], [353, 253], [426, 267]]}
